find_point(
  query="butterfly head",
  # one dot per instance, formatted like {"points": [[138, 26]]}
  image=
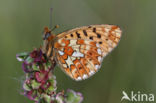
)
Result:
{"points": [[47, 34]]}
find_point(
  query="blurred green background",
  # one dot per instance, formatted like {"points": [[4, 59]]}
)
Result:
{"points": [[130, 67]]}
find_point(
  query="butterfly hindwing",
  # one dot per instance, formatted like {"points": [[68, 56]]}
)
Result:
{"points": [[80, 51]]}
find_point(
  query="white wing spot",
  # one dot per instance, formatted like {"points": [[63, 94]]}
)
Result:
{"points": [[87, 42], [78, 54], [85, 76], [118, 34], [78, 78], [59, 41], [91, 72], [99, 51], [107, 30], [72, 42], [76, 47], [118, 30], [63, 44], [64, 65], [68, 61], [61, 52], [73, 58], [114, 44], [99, 58], [96, 67], [97, 45]]}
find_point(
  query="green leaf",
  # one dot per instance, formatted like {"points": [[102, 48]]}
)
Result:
{"points": [[29, 59], [22, 56], [35, 67], [26, 87], [73, 97], [35, 84]]}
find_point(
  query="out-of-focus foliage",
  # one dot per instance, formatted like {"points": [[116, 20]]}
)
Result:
{"points": [[131, 66]]}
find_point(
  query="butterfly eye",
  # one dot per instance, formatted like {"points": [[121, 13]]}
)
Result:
{"points": [[46, 36]]}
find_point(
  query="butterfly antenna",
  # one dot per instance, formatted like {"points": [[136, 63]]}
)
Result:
{"points": [[56, 26], [50, 26], [51, 10]]}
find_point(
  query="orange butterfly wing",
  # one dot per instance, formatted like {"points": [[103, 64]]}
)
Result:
{"points": [[80, 51]]}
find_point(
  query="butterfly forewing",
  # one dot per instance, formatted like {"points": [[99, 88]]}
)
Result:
{"points": [[80, 51]]}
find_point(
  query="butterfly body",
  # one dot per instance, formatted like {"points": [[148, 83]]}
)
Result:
{"points": [[80, 51]]}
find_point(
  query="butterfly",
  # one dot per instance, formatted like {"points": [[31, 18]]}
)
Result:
{"points": [[79, 52]]}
